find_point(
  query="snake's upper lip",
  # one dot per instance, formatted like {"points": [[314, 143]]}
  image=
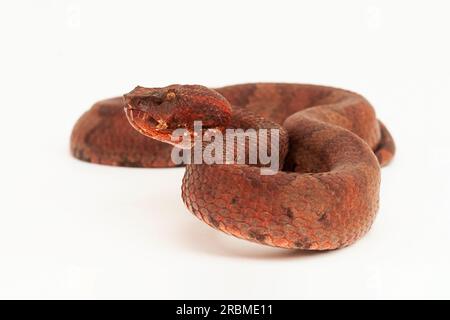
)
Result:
{"points": [[146, 124], [134, 113]]}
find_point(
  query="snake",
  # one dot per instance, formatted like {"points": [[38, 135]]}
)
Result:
{"points": [[331, 147]]}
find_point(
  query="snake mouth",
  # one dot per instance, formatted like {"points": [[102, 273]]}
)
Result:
{"points": [[159, 129]]}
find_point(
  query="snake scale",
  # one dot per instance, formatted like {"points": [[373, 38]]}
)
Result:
{"points": [[331, 148]]}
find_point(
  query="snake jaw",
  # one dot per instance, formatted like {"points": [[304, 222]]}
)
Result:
{"points": [[145, 124], [158, 129]]}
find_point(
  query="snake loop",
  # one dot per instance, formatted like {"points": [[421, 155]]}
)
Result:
{"points": [[331, 147]]}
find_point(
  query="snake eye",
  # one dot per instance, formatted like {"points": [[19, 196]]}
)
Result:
{"points": [[170, 95]]}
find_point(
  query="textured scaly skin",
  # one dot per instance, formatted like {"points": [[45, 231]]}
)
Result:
{"points": [[327, 195]]}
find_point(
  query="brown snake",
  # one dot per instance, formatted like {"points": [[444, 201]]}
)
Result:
{"points": [[331, 147]]}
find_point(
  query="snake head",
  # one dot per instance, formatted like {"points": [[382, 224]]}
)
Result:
{"points": [[157, 112]]}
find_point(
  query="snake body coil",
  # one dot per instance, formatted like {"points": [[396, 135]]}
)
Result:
{"points": [[331, 149]]}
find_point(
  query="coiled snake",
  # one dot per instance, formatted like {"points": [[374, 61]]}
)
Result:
{"points": [[331, 146]]}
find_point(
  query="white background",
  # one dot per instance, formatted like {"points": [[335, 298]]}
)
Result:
{"points": [[74, 230]]}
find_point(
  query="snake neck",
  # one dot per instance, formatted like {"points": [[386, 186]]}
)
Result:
{"points": [[248, 140]]}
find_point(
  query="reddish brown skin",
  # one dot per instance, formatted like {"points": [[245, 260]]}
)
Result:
{"points": [[331, 147]]}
